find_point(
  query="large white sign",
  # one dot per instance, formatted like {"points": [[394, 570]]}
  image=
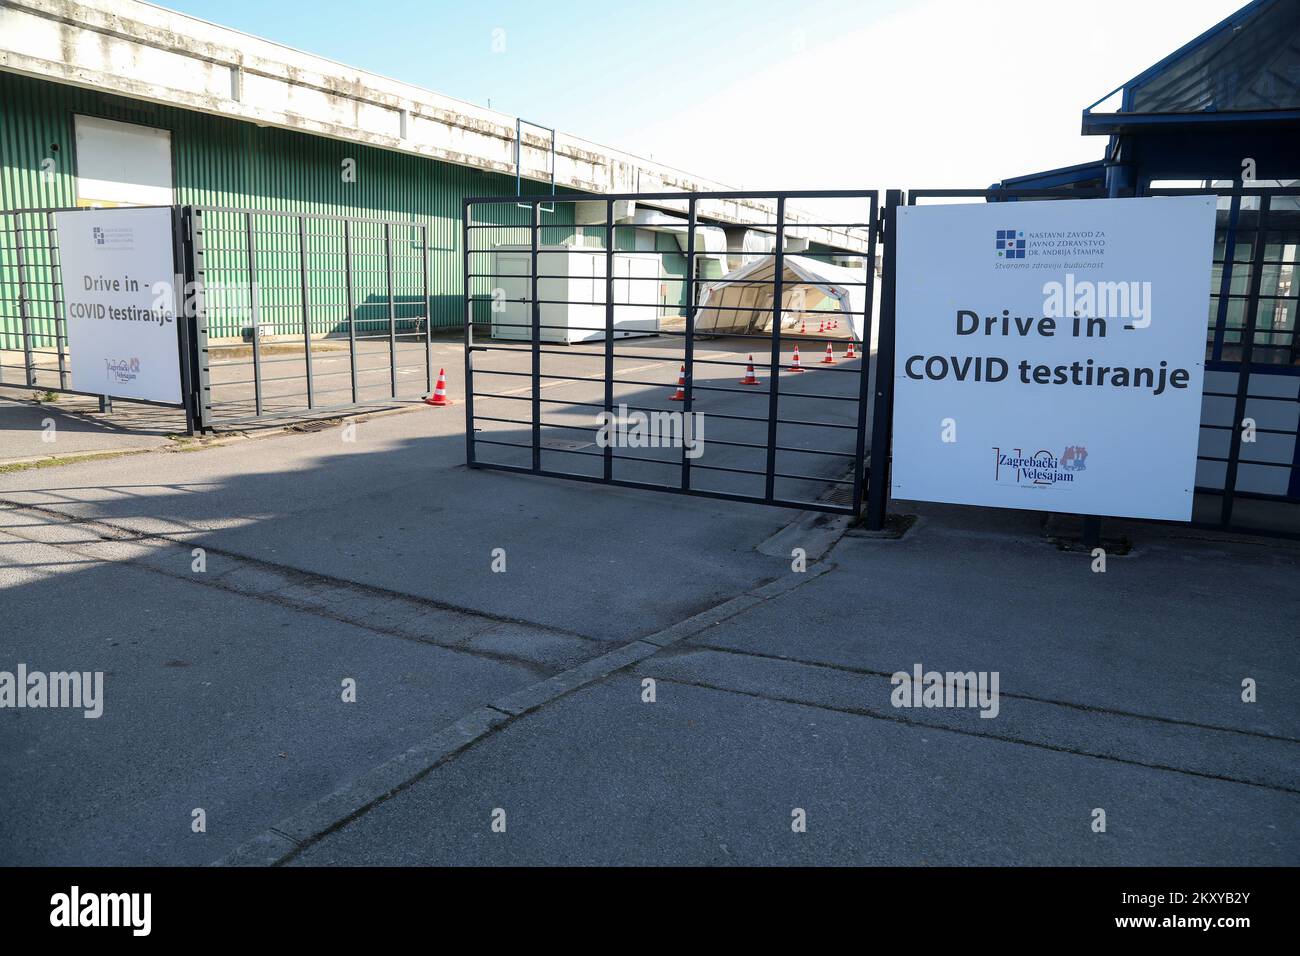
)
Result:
{"points": [[118, 292], [1050, 355]]}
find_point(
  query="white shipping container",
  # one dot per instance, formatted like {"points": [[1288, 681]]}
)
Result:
{"points": [[571, 288]]}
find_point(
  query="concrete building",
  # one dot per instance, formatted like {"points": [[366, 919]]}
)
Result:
{"points": [[120, 102]]}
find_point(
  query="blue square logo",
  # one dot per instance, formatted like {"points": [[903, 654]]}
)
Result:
{"points": [[1010, 243]]}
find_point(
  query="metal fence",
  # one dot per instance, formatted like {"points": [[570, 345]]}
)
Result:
{"points": [[1248, 465], [33, 335], [286, 314], [299, 314], [304, 313], [781, 436], [34, 347]]}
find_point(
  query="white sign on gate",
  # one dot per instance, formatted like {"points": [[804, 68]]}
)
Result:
{"points": [[118, 274], [1050, 355]]}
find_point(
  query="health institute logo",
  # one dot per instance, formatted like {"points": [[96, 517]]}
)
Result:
{"points": [[1040, 469], [121, 238], [1011, 244]]}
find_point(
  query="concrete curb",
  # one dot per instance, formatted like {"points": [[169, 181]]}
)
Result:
{"points": [[73, 457], [281, 843]]}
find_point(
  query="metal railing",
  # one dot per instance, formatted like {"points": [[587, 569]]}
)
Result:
{"points": [[305, 313]]}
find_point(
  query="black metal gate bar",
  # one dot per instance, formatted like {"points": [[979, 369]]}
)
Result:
{"points": [[186, 303], [864, 380], [536, 308], [352, 306], [882, 426], [428, 309], [392, 309], [687, 483], [24, 313], [1247, 350], [60, 312], [1225, 283], [689, 403], [607, 466], [306, 309], [194, 267], [254, 311], [467, 223], [774, 378]]}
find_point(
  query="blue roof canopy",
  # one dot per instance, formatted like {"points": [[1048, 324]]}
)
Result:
{"points": [[1083, 176], [1243, 70]]}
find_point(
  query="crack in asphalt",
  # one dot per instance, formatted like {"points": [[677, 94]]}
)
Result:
{"points": [[111, 533], [1020, 741], [1086, 708]]}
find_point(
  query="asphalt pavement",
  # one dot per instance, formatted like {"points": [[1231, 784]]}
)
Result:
{"points": [[343, 646]]}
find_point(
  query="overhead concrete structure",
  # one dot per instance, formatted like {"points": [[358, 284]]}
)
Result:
{"points": [[147, 53]]}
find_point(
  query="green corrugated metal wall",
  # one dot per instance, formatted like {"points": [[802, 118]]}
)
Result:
{"points": [[222, 162]]}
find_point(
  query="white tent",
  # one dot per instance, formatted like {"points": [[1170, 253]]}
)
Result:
{"points": [[741, 301]]}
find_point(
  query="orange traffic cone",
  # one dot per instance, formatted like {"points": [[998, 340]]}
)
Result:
{"points": [[821, 326], [803, 327], [680, 394], [439, 396], [749, 378], [794, 362], [850, 354], [830, 355]]}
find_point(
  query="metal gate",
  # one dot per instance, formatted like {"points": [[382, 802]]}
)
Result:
{"points": [[1248, 464], [285, 314], [302, 313], [595, 325]]}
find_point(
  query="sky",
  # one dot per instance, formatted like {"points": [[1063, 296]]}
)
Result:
{"points": [[758, 94]]}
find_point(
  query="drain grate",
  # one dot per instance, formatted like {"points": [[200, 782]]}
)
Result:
{"points": [[314, 425], [839, 495]]}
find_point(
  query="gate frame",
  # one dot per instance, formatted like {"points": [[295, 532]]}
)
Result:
{"points": [[196, 275], [692, 200]]}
